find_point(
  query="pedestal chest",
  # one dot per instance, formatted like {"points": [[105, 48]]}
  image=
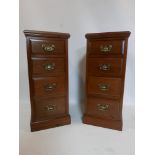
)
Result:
{"points": [[47, 54], [105, 75]]}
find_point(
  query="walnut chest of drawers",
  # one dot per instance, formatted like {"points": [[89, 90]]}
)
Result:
{"points": [[47, 54], [105, 74]]}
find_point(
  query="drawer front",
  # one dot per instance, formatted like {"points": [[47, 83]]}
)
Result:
{"points": [[106, 87], [104, 66], [49, 108], [48, 47], [105, 47], [50, 66], [50, 86], [100, 107]]}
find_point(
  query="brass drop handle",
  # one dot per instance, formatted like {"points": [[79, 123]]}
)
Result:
{"points": [[50, 87], [50, 107], [103, 87], [106, 48], [105, 67], [49, 67], [48, 48], [102, 107]]}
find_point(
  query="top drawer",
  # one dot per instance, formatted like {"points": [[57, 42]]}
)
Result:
{"points": [[105, 47], [50, 47]]}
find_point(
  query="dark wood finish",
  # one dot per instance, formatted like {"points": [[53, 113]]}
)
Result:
{"points": [[113, 87], [50, 123], [40, 64], [95, 105], [40, 86], [38, 34], [97, 67], [37, 49], [47, 54], [106, 123], [107, 35], [105, 75], [94, 47], [46, 108]]}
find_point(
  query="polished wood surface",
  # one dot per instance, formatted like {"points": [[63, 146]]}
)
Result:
{"points": [[47, 54], [107, 35], [37, 46], [41, 85], [94, 47], [105, 67], [40, 66], [46, 108], [106, 123], [95, 109], [38, 34], [105, 76], [113, 87]]}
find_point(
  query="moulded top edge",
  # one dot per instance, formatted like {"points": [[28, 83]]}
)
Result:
{"points": [[34, 33], [108, 34]]}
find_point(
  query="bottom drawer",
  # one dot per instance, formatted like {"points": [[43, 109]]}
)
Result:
{"points": [[99, 107], [49, 108]]}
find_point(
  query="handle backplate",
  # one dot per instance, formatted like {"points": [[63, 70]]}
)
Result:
{"points": [[106, 48], [102, 107], [50, 107], [103, 87], [49, 66], [50, 87], [105, 67], [48, 48]]}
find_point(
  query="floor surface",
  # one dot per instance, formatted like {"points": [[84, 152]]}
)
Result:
{"points": [[77, 138]]}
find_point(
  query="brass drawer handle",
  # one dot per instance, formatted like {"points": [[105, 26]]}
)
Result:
{"points": [[106, 48], [50, 108], [103, 87], [105, 67], [50, 87], [48, 48], [49, 67], [102, 107]]}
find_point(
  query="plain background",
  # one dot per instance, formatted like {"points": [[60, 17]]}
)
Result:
{"points": [[145, 83], [77, 17]]}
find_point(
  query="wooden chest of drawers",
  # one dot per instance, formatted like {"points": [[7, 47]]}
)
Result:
{"points": [[47, 54], [105, 74]]}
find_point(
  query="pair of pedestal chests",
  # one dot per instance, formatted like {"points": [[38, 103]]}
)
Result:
{"points": [[47, 54]]}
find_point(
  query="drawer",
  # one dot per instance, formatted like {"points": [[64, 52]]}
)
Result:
{"points": [[49, 86], [100, 107], [49, 107], [48, 66], [105, 47], [105, 66], [50, 47], [105, 87]]}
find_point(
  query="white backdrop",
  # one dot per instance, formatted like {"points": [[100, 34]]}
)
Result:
{"points": [[77, 17]]}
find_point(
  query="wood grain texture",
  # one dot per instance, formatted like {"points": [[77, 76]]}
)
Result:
{"points": [[48, 89], [43, 105], [106, 123], [39, 66], [40, 86], [113, 35], [113, 84], [94, 47], [35, 33], [96, 67], [37, 49], [112, 112], [113, 79], [50, 123]]}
